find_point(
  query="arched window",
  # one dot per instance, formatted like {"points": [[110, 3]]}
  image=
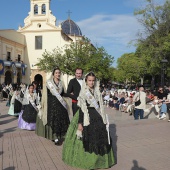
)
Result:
{"points": [[39, 79], [8, 77], [43, 9], [35, 9]]}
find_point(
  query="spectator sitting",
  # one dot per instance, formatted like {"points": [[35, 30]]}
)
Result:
{"points": [[107, 98], [120, 101], [162, 95], [115, 101], [130, 106]]}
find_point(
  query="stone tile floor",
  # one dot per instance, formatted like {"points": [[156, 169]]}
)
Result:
{"points": [[138, 145]]}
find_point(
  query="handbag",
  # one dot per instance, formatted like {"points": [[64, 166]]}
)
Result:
{"points": [[138, 102]]}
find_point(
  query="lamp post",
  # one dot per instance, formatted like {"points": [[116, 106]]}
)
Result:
{"points": [[163, 62]]}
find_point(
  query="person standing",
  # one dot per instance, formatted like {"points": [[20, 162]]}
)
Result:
{"points": [[27, 117], [15, 103], [53, 120], [139, 110], [37, 90], [74, 88], [88, 144]]}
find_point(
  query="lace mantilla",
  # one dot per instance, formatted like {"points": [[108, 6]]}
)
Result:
{"points": [[92, 100]]}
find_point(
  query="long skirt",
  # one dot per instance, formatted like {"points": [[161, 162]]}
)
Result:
{"points": [[17, 106], [25, 125], [5, 94], [57, 120], [11, 110], [44, 130], [74, 153]]}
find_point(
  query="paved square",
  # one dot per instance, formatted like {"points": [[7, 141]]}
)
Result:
{"points": [[138, 145]]}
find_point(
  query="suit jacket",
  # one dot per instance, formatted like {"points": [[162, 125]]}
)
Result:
{"points": [[73, 87]]}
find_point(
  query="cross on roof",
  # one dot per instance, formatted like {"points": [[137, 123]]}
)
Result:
{"points": [[69, 12]]}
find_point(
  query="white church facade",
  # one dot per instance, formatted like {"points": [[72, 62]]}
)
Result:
{"points": [[20, 50]]}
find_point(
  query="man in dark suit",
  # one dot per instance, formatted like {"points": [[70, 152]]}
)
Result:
{"points": [[74, 88]]}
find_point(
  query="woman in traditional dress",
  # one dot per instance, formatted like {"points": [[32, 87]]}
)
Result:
{"points": [[87, 144], [5, 93], [53, 120], [27, 117], [16, 103], [10, 95]]}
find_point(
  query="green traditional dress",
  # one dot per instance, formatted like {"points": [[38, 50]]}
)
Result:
{"points": [[92, 150]]}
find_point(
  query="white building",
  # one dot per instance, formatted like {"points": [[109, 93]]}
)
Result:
{"points": [[28, 43]]}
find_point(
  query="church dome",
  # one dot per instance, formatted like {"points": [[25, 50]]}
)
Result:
{"points": [[69, 27]]}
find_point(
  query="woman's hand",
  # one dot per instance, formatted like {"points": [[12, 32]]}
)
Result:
{"points": [[80, 127]]}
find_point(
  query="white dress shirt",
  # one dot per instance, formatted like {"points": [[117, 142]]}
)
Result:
{"points": [[80, 81]]}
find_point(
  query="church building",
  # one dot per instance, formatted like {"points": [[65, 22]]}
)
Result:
{"points": [[20, 50]]}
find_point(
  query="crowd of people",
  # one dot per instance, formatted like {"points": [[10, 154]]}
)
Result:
{"points": [[125, 100], [87, 142]]}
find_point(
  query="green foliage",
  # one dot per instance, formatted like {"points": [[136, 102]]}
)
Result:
{"points": [[130, 67], [81, 54], [154, 45]]}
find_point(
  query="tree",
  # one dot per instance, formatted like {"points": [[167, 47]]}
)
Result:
{"points": [[81, 54], [153, 44], [130, 67]]}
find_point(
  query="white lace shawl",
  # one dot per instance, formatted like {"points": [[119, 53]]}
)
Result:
{"points": [[82, 102], [27, 97], [59, 88]]}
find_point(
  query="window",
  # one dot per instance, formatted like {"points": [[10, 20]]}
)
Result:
{"points": [[19, 58], [35, 9], [8, 56], [38, 42], [43, 9]]}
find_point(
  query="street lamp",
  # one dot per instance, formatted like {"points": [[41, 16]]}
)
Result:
{"points": [[163, 62]]}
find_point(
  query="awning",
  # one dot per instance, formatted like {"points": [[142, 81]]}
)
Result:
{"points": [[18, 65]]}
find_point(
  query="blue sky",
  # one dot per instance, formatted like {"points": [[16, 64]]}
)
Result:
{"points": [[107, 23]]}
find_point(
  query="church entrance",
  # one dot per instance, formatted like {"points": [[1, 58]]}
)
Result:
{"points": [[8, 77], [39, 79]]}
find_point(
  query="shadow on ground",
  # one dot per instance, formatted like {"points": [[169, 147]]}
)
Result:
{"points": [[114, 140], [136, 166], [8, 120], [10, 168]]}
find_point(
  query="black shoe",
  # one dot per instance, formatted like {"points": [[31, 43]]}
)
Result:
{"points": [[59, 142]]}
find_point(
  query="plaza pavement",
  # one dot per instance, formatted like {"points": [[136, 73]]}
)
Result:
{"points": [[138, 144]]}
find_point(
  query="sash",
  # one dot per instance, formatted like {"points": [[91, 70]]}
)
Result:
{"points": [[32, 103], [92, 101], [4, 90], [56, 93], [17, 97]]}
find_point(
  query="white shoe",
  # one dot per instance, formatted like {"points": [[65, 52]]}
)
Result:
{"points": [[157, 116], [163, 116]]}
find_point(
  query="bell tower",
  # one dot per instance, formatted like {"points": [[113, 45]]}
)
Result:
{"points": [[40, 7], [39, 13]]}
